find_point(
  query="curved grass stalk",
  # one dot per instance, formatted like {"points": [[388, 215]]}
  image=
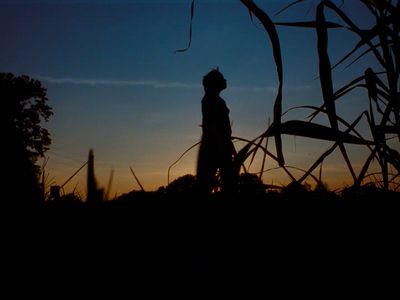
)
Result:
{"points": [[180, 157]]}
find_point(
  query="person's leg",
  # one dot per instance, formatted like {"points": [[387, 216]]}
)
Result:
{"points": [[229, 178], [206, 169]]}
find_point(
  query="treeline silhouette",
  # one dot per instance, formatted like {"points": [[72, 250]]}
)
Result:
{"points": [[24, 103]]}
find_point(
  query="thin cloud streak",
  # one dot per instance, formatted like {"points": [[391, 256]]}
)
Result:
{"points": [[142, 83], [116, 82], [156, 84]]}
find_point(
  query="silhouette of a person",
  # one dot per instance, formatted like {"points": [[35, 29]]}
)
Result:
{"points": [[216, 148]]}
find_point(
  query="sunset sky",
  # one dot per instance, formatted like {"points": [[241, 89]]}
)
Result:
{"points": [[116, 85]]}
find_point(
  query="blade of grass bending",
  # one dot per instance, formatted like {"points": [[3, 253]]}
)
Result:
{"points": [[361, 55], [320, 172], [242, 155], [110, 180], [263, 160], [180, 157], [392, 74], [372, 92], [393, 157], [326, 78], [190, 28], [365, 40], [362, 34], [267, 153], [137, 180], [75, 188], [255, 152], [253, 142], [365, 167], [356, 47], [312, 176], [328, 152], [274, 38], [368, 3], [73, 175], [91, 183], [390, 107], [353, 84], [395, 36], [325, 66], [389, 129], [308, 24], [394, 177], [288, 6], [344, 122], [295, 168], [316, 131]]}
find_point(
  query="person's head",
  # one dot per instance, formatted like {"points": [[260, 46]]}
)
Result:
{"points": [[214, 81]]}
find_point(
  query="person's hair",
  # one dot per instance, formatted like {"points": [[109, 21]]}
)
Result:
{"points": [[212, 79]]}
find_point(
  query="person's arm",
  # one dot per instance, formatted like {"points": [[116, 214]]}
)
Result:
{"points": [[210, 121], [217, 126]]}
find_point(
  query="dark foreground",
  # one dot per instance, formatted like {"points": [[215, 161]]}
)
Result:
{"points": [[320, 245]]}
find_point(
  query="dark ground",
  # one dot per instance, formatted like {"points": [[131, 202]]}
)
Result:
{"points": [[302, 244]]}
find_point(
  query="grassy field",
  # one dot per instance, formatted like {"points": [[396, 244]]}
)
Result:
{"points": [[294, 242]]}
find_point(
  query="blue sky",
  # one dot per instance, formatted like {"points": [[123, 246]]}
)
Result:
{"points": [[117, 86]]}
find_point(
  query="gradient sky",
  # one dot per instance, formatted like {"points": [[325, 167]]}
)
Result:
{"points": [[116, 85]]}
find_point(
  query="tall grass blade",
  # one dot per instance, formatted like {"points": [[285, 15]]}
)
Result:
{"points": [[190, 29], [253, 142], [365, 35], [316, 131], [325, 74], [92, 191], [180, 157], [110, 180], [137, 179], [274, 38], [263, 160], [255, 152], [325, 67], [288, 6], [359, 56], [242, 155], [365, 167], [308, 24], [328, 152], [73, 175]]}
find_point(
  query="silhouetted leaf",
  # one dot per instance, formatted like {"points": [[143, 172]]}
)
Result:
{"points": [[288, 6], [325, 66], [358, 57], [371, 84], [389, 129], [365, 167], [243, 154], [393, 157], [190, 29], [308, 24], [273, 35], [316, 131], [179, 158], [365, 35]]}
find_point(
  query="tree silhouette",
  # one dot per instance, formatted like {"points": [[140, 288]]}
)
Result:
{"points": [[24, 110]]}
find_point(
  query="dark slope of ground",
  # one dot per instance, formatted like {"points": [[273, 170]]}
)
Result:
{"points": [[300, 242]]}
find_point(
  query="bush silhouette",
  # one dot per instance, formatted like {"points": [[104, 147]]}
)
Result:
{"points": [[24, 109]]}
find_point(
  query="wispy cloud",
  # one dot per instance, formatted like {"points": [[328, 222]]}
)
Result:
{"points": [[116, 82], [157, 84]]}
